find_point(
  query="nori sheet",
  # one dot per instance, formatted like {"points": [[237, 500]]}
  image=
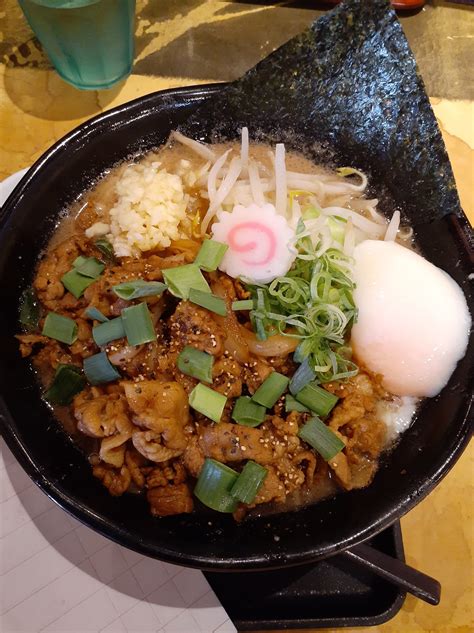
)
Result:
{"points": [[347, 91]]}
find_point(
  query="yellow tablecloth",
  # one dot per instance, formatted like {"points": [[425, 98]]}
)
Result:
{"points": [[37, 108]]}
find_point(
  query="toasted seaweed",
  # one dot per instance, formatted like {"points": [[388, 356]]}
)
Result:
{"points": [[346, 91]]}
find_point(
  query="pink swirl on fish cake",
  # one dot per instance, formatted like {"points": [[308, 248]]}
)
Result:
{"points": [[250, 246]]}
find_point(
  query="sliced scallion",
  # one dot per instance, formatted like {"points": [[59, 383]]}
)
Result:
{"points": [[181, 279], [207, 401], [98, 369], [271, 389], [68, 381], [75, 282], [317, 399], [302, 376], [138, 325], [244, 304], [88, 266], [138, 288], [96, 314], [259, 327], [60, 328], [79, 260], [249, 482], [106, 248], [210, 255], [209, 301], [247, 412], [108, 331], [321, 438], [193, 362], [292, 404], [214, 484]]}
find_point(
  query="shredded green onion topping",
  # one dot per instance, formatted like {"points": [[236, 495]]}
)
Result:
{"points": [[314, 303]]}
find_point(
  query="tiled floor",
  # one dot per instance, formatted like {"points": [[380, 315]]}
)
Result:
{"points": [[56, 575]]}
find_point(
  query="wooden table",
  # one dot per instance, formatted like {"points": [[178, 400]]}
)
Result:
{"points": [[185, 43]]}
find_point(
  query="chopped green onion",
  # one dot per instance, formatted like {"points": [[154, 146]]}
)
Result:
{"points": [[248, 413], [315, 300], [321, 438], [317, 399], [207, 401], [138, 324], [292, 404], [106, 248], [259, 328], [209, 301], [249, 482], [98, 369], [214, 484], [210, 255], [271, 389], [244, 304], [96, 314], [193, 362], [68, 380], [138, 288], [75, 282], [60, 328], [108, 331], [180, 280], [302, 376], [30, 310], [88, 266], [80, 259]]}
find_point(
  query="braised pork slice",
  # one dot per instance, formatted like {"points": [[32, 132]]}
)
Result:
{"points": [[195, 326], [355, 420], [162, 409]]}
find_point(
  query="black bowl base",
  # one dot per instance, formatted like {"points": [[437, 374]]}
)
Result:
{"points": [[330, 593]]}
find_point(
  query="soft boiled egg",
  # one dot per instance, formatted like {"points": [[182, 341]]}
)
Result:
{"points": [[413, 323]]}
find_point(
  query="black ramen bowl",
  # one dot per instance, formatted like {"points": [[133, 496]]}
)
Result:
{"points": [[426, 451]]}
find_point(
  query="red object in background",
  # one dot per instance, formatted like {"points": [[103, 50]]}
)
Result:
{"points": [[398, 4]]}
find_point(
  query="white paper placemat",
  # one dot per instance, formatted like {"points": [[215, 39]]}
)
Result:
{"points": [[60, 576]]}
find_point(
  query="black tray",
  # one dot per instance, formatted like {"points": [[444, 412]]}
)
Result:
{"points": [[334, 592]]}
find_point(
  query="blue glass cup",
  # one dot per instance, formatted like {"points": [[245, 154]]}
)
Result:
{"points": [[89, 42]]}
